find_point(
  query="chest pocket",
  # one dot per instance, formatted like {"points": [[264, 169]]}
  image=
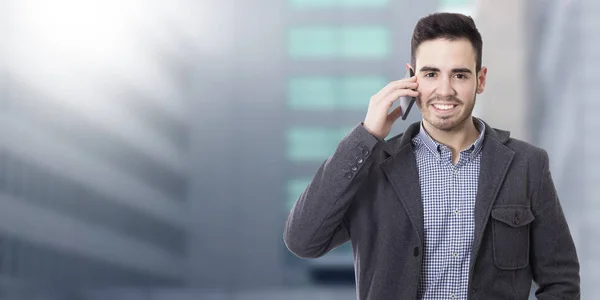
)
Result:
{"points": [[510, 227]]}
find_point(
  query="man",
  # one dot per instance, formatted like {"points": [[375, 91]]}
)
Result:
{"points": [[451, 208]]}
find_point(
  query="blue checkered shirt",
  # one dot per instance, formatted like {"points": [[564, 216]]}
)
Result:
{"points": [[448, 193]]}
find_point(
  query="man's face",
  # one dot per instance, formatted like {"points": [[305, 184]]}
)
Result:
{"points": [[448, 83]]}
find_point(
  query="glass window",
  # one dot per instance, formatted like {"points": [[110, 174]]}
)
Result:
{"points": [[331, 93], [339, 42], [313, 143]]}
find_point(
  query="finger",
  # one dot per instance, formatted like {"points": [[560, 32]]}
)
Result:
{"points": [[405, 86], [401, 81], [395, 85], [393, 96]]}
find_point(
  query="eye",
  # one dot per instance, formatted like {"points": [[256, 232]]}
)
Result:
{"points": [[461, 76], [431, 74]]}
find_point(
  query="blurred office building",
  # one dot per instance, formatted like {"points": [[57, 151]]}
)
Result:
{"points": [[94, 138], [153, 149]]}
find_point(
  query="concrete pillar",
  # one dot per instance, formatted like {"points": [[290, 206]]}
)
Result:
{"points": [[503, 104]]}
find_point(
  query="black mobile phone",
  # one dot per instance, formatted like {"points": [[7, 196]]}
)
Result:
{"points": [[406, 102]]}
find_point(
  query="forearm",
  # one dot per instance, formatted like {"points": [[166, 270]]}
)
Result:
{"points": [[315, 224]]}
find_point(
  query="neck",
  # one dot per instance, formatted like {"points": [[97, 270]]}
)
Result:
{"points": [[457, 139]]}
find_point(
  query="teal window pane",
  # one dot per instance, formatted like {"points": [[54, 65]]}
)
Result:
{"points": [[331, 93], [365, 42], [312, 93], [303, 4], [313, 42], [295, 187], [356, 92], [313, 143], [346, 42]]}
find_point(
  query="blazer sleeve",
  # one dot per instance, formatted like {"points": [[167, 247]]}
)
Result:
{"points": [[554, 261], [315, 224]]}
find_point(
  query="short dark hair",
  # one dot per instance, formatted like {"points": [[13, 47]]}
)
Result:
{"points": [[451, 26]]}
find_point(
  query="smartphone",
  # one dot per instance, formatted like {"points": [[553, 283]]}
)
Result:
{"points": [[406, 102]]}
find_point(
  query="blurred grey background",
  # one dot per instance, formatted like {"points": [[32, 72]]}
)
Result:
{"points": [[152, 149]]}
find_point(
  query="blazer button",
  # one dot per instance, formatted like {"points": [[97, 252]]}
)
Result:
{"points": [[365, 152], [416, 251], [517, 221], [354, 168], [348, 175]]}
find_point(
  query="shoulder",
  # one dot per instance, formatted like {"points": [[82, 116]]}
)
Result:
{"points": [[535, 156], [402, 139], [395, 139], [525, 148]]}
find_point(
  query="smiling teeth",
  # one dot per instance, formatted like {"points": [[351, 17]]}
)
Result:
{"points": [[444, 107]]}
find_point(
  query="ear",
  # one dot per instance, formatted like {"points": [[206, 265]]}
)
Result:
{"points": [[481, 78]]}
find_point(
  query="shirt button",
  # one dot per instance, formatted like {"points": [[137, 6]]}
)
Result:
{"points": [[455, 254], [456, 211], [456, 171], [452, 295]]}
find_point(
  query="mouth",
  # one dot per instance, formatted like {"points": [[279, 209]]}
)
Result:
{"points": [[444, 108]]}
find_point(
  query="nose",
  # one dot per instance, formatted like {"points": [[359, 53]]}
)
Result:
{"points": [[445, 88]]}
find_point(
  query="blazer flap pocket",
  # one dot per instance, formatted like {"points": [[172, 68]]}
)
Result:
{"points": [[513, 216]]}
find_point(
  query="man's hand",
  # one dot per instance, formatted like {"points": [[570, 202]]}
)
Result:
{"points": [[378, 122]]}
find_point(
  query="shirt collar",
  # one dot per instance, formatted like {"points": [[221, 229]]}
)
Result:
{"points": [[434, 147]]}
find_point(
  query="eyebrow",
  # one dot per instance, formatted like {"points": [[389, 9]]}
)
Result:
{"points": [[434, 69]]}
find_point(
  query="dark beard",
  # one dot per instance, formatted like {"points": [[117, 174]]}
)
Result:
{"points": [[448, 127]]}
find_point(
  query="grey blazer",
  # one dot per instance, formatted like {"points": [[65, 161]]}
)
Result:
{"points": [[368, 193]]}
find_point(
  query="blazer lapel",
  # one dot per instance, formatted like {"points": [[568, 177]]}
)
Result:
{"points": [[495, 161], [401, 169]]}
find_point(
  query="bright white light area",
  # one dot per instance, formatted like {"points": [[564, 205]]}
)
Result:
{"points": [[74, 31], [68, 47], [79, 29], [80, 54]]}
